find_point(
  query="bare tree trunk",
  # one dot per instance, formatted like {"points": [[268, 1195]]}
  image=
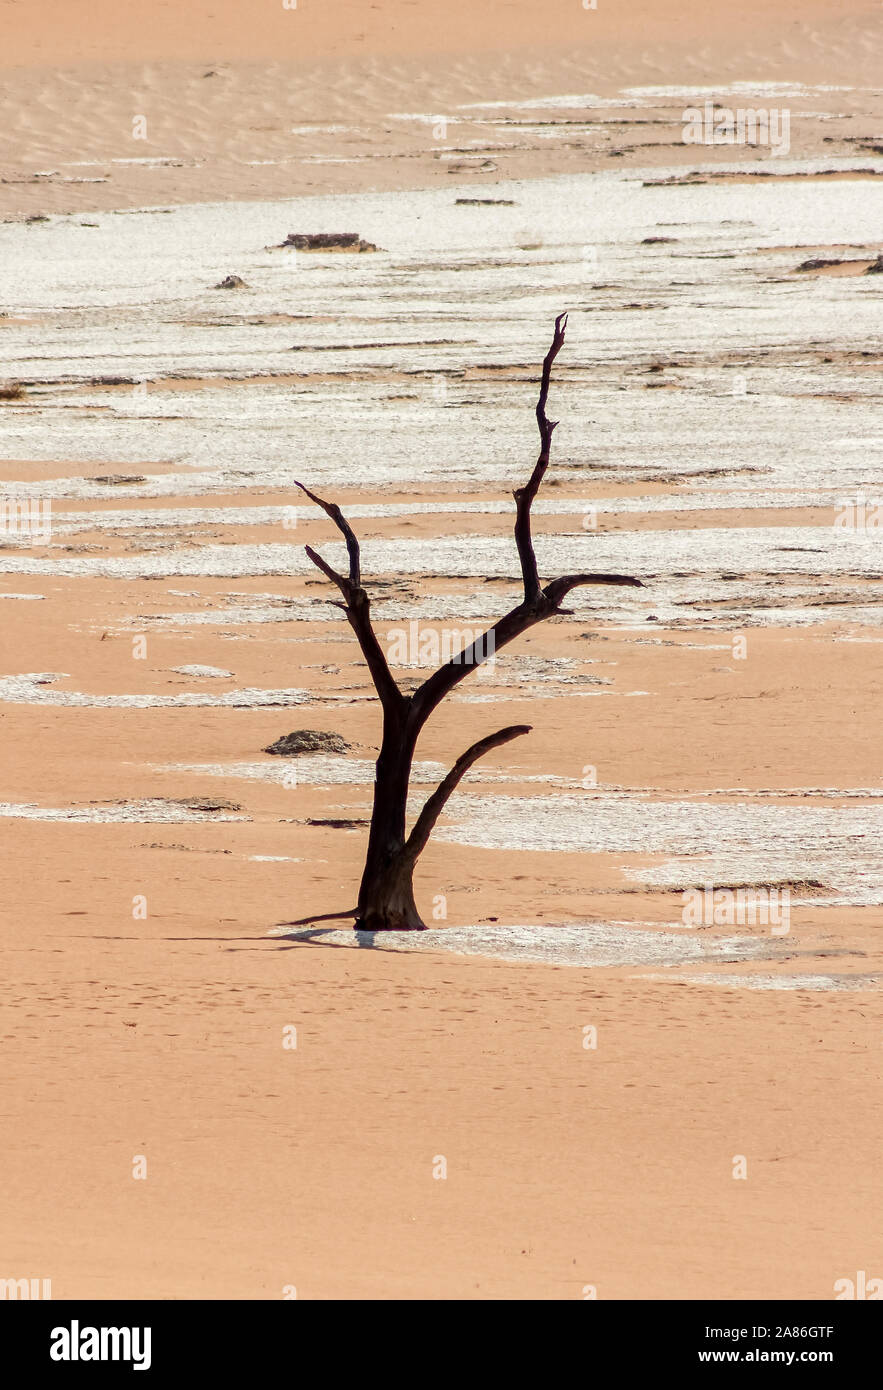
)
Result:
{"points": [[386, 893]]}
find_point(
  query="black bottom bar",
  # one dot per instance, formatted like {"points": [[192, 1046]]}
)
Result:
{"points": [[89, 1339]]}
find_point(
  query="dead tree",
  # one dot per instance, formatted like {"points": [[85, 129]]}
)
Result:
{"points": [[386, 894]]}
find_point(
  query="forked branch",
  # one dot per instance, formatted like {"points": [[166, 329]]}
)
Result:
{"points": [[505, 630], [538, 603], [357, 606], [340, 521], [386, 895]]}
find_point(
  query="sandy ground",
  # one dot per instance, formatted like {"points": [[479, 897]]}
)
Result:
{"points": [[571, 1172], [567, 1167], [344, 96]]}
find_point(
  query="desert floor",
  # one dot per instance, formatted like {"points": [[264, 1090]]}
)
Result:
{"points": [[441, 1129]]}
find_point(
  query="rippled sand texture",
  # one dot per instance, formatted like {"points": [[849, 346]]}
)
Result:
{"points": [[719, 438], [344, 95]]}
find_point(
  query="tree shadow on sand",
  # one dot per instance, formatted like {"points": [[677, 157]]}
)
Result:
{"points": [[364, 939]]}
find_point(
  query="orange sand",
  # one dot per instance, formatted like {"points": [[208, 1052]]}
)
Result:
{"points": [[162, 1037]]}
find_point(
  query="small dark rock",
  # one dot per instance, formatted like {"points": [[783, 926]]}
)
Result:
{"points": [[117, 479], [327, 241], [818, 263], [307, 741], [205, 803]]}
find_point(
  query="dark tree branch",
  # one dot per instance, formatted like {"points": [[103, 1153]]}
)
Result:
{"points": [[358, 608], [359, 616], [560, 588], [538, 602], [343, 585], [506, 629], [321, 917], [340, 521], [524, 495], [425, 822]]}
